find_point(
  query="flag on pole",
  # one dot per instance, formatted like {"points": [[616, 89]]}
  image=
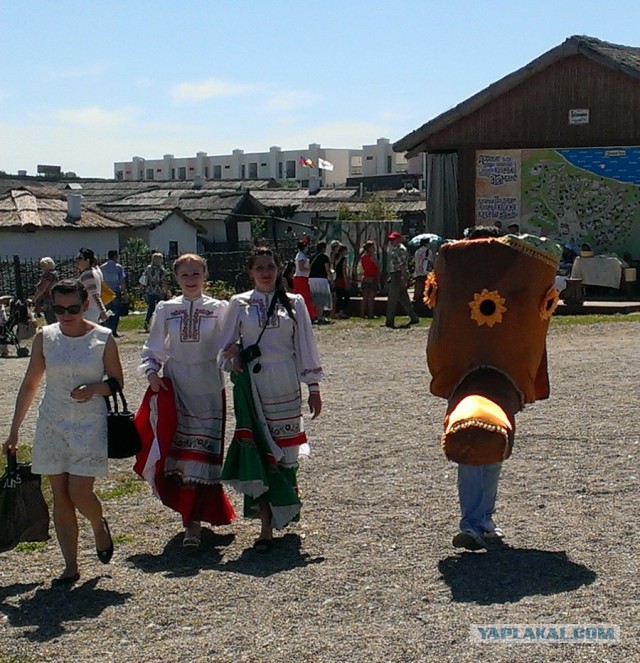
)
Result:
{"points": [[324, 164], [306, 162]]}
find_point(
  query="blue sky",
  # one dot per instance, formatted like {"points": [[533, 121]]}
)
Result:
{"points": [[87, 83]]}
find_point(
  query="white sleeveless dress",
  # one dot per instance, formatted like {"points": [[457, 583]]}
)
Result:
{"points": [[71, 436]]}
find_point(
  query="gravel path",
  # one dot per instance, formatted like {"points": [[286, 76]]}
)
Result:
{"points": [[369, 573]]}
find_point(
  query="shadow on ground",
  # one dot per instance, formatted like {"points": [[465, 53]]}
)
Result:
{"points": [[49, 608], [506, 575], [175, 561], [286, 554]]}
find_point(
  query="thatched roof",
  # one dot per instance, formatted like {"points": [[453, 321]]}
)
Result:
{"points": [[622, 58], [397, 206], [198, 205], [45, 207], [96, 192], [295, 197]]}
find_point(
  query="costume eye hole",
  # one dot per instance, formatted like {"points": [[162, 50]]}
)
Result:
{"points": [[487, 307]]}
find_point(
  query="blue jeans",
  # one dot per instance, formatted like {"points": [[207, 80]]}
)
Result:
{"points": [[115, 305], [477, 492], [152, 302]]}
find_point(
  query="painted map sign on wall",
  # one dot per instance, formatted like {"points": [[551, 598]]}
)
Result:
{"points": [[573, 195]]}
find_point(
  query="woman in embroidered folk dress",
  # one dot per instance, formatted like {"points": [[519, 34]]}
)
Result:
{"points": [[70, 444], [184, 340], [263, 457], [91, 277]]}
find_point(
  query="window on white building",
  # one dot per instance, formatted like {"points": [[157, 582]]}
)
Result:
{"points": [[217, 172], [291, 170], [253, 170], [356, 166], [182, 173], [150, 173]]}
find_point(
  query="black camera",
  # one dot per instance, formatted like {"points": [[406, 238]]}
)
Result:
{"points": [[249, 353]]}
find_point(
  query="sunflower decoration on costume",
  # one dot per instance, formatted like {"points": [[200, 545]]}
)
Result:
{"points": [[549, 303], [431, 290], [487, 308]]}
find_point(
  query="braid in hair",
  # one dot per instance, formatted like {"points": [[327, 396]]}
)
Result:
{"points": [[280, 292]]}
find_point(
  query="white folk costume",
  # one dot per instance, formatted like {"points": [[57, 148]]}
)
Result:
{"points": [[183, 341], [269, 437]]}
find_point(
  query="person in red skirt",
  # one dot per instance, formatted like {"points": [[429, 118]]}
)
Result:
{"points": [[184, 467]]}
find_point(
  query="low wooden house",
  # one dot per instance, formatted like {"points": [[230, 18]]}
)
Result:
{"points": [[553, 147], [41, 221]]}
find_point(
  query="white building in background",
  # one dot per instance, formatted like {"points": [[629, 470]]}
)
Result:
{"points": [[278, 164]]}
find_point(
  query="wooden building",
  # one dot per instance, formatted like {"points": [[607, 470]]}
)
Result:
{"points": [[554, 147]]}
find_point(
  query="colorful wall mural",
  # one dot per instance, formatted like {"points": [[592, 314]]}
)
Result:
{"points": [[572, 195]]}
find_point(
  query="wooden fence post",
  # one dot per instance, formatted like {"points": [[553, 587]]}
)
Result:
{"points": [[16, 269]]}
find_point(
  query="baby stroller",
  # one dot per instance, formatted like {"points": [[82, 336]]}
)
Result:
{"points": [[16, 324]]}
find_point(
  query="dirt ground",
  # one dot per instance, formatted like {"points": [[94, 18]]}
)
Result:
{"points": [[369, 574]]}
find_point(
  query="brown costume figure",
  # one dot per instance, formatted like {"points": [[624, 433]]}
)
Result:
{"points": [[492, 299]]}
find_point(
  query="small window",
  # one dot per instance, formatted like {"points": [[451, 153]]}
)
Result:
{"points": [[227, 166], [173, 249]]}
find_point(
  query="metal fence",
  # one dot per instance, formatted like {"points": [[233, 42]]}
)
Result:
{"points": [[19, 276]]}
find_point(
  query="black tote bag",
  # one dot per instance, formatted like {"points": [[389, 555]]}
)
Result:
{"points": [[24, 515], [122, 435]]}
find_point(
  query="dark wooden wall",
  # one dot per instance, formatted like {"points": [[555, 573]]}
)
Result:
{"points": [[535, 114]]}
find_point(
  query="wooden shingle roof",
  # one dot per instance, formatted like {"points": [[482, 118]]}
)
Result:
{"points": [[622, 58]]}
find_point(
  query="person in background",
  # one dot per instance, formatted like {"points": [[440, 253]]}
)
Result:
{"points": [[114, 276], [320, 280], [370, 283], [70, 443], [333, 259], [342, 282], [42, 296], [183, 342], [262, 461], [155, 286], [398, 266], [91, 278], [301, 276], [421, 264]]}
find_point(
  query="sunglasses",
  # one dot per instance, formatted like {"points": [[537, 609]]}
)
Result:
{"points": [[74, 309]]}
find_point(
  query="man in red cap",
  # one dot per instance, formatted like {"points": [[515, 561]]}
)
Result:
{"points": [[398, 267]]}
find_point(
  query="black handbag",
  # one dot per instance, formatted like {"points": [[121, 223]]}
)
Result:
{"points": [[24, 515], [122, 435]]}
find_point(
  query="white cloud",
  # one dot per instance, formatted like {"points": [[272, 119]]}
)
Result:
{"points": [[94, 117], [209, 89]]}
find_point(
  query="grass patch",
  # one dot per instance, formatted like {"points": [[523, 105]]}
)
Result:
{"points": [[593, 319], [119, 539], [128, 486], [31, 547]]}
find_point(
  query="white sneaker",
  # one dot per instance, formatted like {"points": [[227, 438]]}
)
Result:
{"points": [[468, 539]]}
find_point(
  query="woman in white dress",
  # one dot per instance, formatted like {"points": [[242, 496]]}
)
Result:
{"points": [[183, 342], [91, 277], [70, 444], [263, 457]]}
